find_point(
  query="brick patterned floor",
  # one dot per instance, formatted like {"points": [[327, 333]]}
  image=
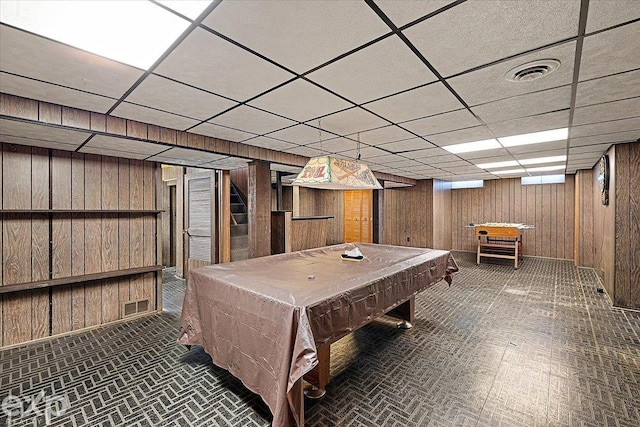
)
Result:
{"points": [[536, 346]]}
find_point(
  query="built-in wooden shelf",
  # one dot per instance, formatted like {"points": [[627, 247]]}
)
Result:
{"points": [[79, 211], [77, 279]]}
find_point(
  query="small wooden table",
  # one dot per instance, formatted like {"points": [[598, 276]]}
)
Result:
{"points": [[500, 240]]}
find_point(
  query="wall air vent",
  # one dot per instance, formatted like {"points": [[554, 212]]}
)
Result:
{"points": [[131, 308], [532, 70]]}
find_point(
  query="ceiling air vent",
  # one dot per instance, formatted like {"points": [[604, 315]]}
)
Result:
{"points": [[532, 70]]}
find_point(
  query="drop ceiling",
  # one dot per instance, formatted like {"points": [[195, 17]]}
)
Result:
{"points": [[402, 78]]}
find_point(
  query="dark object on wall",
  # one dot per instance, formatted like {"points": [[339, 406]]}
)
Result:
{"points": [[603, 178]]}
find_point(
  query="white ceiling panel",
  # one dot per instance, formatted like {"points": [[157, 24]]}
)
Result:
{"points": [[383, 135], [489, 84], [506, 28], [425, 101], [434, 159], [545, 149], [406, 145], [597, 148], [222, 132], [402, 12], [378, 70], [306, 151], [251, 120], [537, 123], [209, 62], [228, 163], [48, 92], [335, 145], [524, 105], [350, 121], [301, 134], [612, 88], [307, 33], [270, 143], [605, 13], [606, 112], [599, 59], [133, 149], [616, 126], [478, 133], [366, 153], [593, 156], [39, 58], [187, 155], [12, 131], [453, 120], [610, 138], [427, 153], [164, 94], [155, 117], [497, 153], [301, 101]]}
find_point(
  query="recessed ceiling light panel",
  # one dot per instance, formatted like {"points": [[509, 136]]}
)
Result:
{"points": [[539, 160], [532, 70], [496, 165], [535, 137], [468, 147]]}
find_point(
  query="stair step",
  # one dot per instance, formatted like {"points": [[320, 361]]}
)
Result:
{"points": [[239, 230], [239, 242], [238, 208], [241, 218]]}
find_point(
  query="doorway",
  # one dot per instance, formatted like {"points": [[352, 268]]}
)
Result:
{"points": [[358, 216]]}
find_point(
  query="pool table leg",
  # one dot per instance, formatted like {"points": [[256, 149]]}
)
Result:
{"points": [[319, 376], [405, 312]]}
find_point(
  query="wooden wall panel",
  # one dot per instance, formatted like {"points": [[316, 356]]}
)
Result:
{"points": [[408, 219], [442, 218], [506, 200], [136, 247], [53, 245]]}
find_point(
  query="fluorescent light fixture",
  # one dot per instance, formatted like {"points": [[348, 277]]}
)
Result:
{"points": [[189, 8], [535, 138], [495, 165], [475, 183], [542, 179], [509, 172], [538, 160], [546, 168], [134, 32], [468, 147]]}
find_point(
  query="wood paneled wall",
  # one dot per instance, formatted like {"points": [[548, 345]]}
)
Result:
{"points": [[584, 217], [45, 246], [408, 215], [550, 207], [627, 225], [442, 219], [324, 203]]}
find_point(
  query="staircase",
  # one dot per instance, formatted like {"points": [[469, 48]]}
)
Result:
{"points": [[239, 226]]}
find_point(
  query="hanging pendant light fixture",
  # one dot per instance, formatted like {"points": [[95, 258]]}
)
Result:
{"points": [[333, 173]]}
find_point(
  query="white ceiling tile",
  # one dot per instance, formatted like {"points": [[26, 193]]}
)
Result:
{"points": [[132, 148], [489, 84], [221, 132], [597, 148], [11, 131], [537, 123], [402, 12], [298, 35], [334, 145], [228, 163], [435, 159], [301, 134], [366, 153], [385, 159], [350, 121], [442, 123], [504, 156], [478, 32], [610, 138], [593, 156], [558, 148], [270, 143], [301, 101], [155, 117], [612, 88], [381, 69], [251, 120], [305, 151], [186, 154], [383, 135], [477, 133], [599, 59], [39, 58], [498, 152], [406, 145], [34, 142], [615, 126], [34, 89], [164, 94], [606, 112], [425, 101], [524, 105], [428, 153], [209, 62], [605, 13]]}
